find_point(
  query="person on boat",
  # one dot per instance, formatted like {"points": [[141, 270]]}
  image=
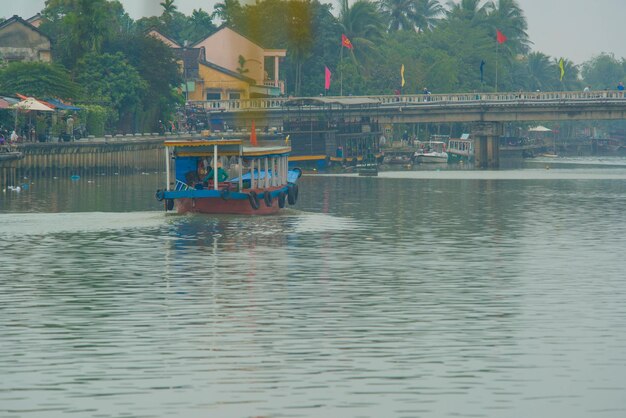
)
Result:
{"points": [[222, 175]]}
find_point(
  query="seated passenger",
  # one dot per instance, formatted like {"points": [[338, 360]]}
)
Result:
{"points": [[222, 175]]}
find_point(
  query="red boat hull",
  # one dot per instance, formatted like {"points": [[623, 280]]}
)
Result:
{"points": [[217, 205]]}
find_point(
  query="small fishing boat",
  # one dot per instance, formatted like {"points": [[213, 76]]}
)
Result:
{"points": [[399, 157], [433, 152], [460, 149], [367, 169], [224, 176]]}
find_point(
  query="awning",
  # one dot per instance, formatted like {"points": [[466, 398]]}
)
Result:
{"points": [[60, 105], [269, 91]]}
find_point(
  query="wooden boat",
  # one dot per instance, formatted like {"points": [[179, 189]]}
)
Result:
{"points": [[433, 152], [249, 180], [460, 149]]}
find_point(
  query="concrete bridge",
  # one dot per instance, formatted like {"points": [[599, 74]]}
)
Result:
{"points": [[485, 112]]}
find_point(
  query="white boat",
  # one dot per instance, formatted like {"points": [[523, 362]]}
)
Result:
{"points": [[432, 152], [460, 149]]}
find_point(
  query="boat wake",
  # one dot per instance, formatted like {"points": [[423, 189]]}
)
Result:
{"points": [[21, 224]]}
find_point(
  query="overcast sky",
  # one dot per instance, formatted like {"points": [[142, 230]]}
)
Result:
{"points": [[574, 29]]}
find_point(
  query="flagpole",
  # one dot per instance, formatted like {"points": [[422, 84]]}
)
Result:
{"points": [[497, 64], [341, 71]]}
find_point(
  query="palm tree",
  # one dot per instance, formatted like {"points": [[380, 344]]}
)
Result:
{"points": [[363, 25], [400, 14], [570, 75], [508, 17], [467, 10], [168, 6], [228, 11], [541, 72], [427, 14]]}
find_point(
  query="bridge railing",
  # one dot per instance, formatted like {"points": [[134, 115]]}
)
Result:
{"points": [[423, 99]]}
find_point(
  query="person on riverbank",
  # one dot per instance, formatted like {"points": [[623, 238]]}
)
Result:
{"points": [[620, 86], [69, 128], [14, 137]]}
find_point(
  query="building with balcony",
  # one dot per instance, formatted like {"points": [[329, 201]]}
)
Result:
{"points": [[233, 51], [227, 66]]}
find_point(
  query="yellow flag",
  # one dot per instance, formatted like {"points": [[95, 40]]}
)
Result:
{"points": [[402, 74], [287, 139], [562, 69]]}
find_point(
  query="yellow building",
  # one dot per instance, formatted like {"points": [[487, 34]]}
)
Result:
{"points": [[218, 83], [227, 65]]}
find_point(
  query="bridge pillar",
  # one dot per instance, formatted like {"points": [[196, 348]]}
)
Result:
{"points": [[486, 144]]}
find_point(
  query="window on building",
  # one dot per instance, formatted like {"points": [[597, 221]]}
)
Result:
{"points": [[234, 95], [213, 95]]}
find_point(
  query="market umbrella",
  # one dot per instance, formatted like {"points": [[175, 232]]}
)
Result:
{"points": [[540, 129], [30, 103]]}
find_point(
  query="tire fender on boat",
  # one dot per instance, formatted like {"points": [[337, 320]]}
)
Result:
{"points": [[225, 193], [292, 194], [281, 199], [169, 204], [298, 170], [160, 195], [253, 198], [267, 198]]}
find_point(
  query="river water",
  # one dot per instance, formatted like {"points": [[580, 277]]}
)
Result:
{"points": [[429, 293]]}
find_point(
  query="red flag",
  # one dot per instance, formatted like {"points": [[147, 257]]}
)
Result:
{"points": [[346, 42], [500, 37], [326, 78], [253, 135]]}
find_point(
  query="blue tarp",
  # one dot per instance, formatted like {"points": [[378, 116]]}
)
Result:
{"points": [[62, 106]]}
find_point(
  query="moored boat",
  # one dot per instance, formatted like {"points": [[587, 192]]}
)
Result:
{"points": [[433, 152], [367, 169], [460, 149], [224, 176]]}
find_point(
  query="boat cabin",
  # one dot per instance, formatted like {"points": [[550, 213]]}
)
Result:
{"points": [[223, 176]]}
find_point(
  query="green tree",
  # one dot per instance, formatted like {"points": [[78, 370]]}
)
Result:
{"points": [[541, 72], [427, 14], [229, 12], [508, 17], [78, 27], [109, 80], [38, 79], [468, 10], [156, 64], [199, 26], [602, 71], [364, 26], [571, 80], [400, 14]]}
